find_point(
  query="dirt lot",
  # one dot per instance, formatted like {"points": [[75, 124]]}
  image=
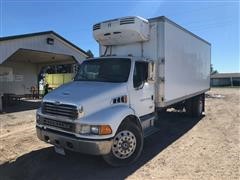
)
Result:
{"points": [[184, 148]]}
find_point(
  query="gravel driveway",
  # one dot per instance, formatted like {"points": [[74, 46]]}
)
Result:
{"points": [[184, 148]]}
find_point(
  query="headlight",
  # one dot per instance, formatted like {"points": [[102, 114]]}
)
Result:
{"points": [[93, 129], [82, 129]]}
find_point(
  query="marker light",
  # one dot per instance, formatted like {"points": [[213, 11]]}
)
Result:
{"points": [[105, 130]]}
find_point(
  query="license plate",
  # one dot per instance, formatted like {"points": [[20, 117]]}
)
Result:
{"points": [[59, 150]]}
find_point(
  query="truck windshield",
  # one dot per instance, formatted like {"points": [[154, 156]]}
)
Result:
{"points": [[104, 70]]}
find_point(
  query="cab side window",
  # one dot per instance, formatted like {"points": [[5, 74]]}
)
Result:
{"points": [[140, 74]]}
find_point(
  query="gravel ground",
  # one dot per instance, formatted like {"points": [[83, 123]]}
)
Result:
{"points": [[184, 148]]}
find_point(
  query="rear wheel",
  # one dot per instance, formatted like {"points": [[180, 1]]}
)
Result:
{"points": [[197, 106], [194, 106], [127, 145]]}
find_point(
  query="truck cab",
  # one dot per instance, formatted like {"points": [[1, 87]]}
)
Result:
{"points": [[107, 109]]}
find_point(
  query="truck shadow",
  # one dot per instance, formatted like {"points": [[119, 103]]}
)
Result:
{"points": [[22, 105], [46, 164]]}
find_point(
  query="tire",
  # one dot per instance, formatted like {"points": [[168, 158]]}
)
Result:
{"points": [[194, 106], [127, 145], [197, 106], [188, 107]]}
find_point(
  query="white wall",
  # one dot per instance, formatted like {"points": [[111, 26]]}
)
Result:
{"points": [[24, 76]]}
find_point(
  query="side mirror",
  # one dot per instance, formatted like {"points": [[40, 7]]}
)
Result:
{"points": [[151, 72]]}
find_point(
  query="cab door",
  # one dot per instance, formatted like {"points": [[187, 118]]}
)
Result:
{"points": [[142, 94]]}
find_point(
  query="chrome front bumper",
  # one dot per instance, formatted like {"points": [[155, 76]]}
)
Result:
{"points": [[94, 147]]}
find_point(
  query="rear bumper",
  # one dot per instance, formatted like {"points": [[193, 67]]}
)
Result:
{"points": [[94, 147]]}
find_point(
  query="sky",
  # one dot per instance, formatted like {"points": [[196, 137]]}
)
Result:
{"points": [[215, 21]]}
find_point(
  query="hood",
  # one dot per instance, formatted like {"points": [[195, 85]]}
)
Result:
{"points": [[92, 96]]}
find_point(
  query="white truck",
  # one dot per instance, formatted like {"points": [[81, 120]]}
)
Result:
{"points": [[145, 66]]}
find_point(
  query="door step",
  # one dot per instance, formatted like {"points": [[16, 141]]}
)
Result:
{"points": [[151, 130]]}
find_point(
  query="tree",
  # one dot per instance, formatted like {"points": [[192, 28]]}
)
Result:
{"points": [[213, 71], [90, 54]]}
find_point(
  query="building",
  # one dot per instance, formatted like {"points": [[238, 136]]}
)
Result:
{"points": [[23, 56], [225, 79]]}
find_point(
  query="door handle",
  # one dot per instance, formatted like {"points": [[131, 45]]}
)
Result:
{"points": [[147, 98]]}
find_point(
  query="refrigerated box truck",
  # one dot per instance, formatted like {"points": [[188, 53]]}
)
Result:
{"points": [[145, 66]]}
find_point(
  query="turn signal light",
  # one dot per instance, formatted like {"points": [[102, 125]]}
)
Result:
{"points": [[105, 130]]}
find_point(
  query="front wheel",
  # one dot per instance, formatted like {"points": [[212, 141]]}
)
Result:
{"points": [[127, 145]]}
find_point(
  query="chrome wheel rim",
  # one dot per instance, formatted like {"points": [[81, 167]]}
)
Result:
{"points": [[124, 144]]}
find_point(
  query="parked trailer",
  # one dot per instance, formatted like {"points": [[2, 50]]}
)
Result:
{"points": [[144, 66]]}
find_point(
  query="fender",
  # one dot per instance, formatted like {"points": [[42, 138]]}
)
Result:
{"points": [[112, 116]]}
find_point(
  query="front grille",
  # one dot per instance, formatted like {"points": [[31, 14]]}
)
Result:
{"points": [[65, 110], [59, 124]]}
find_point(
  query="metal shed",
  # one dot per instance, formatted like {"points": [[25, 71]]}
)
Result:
{"points": [[23, 56], [225, 79]]}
